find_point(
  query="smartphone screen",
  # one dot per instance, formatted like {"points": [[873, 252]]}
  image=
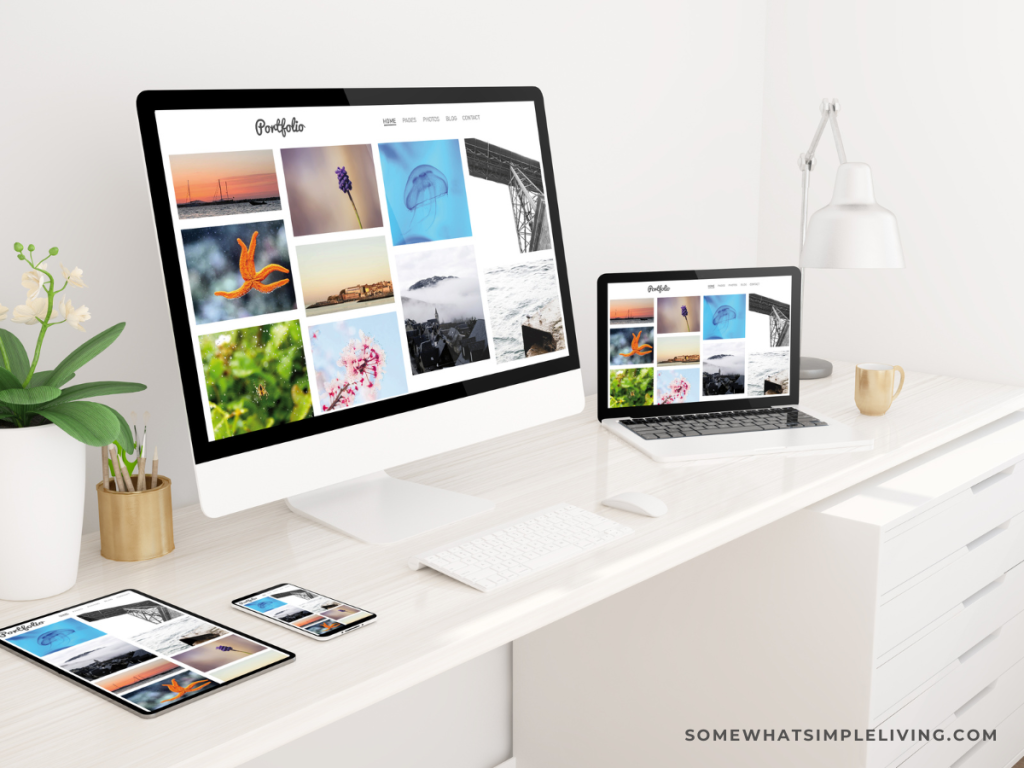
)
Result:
{"points": [[305, 610]]}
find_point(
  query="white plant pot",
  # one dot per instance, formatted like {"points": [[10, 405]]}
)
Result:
{"points": [[42, 501]]}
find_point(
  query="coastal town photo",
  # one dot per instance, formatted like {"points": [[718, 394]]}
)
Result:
{"points": [[347, 275]]}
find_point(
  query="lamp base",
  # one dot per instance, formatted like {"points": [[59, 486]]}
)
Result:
{"points": [[814, 368]]}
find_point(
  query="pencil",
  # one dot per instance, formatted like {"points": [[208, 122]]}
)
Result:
{"points": [[156, 464], [141, 476], [129, 487], [112, 454]]}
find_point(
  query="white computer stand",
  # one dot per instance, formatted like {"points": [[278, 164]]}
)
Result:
{"points": [[380, 509]]}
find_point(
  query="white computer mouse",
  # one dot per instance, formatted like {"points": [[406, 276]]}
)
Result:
{"points": [[639, 503]]}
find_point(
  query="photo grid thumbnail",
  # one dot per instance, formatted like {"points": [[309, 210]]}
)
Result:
{"points": [[331, 189], [224, 183], [426, 191], [238, 270], [255, 378], [346, 275]]}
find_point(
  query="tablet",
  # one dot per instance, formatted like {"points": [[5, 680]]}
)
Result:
{"points": [[140, 652]]}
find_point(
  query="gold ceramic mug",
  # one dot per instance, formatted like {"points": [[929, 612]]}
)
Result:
{"points": [[873, 387]]}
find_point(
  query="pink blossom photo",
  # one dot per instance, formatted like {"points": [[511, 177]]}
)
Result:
{"points": [[678, 385], [357, 361]]}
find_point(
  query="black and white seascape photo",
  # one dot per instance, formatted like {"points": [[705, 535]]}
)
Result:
{"points": [[100, 657], [525, 308]]}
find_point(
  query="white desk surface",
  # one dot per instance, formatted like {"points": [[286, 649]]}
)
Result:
{"points": [[429, 623]]}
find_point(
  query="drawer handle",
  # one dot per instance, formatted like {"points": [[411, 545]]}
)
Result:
{"points": [[975, 699], [979, 646], [985, 538], [968, 602], [988, 482], [967, 755]]}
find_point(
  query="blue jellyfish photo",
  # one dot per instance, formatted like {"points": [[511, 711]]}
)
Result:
{"points": [[265, 604], [725, 317], [55, 637], [425, 190], [425, 185]]}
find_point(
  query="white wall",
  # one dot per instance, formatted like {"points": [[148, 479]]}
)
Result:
{"points": [[931, 99], [654, 118]]}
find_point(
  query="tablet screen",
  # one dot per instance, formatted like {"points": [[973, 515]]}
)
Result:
{"points": [[140, 651]]}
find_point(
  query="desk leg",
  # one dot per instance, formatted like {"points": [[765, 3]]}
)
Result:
{"points": [[764, 633]]}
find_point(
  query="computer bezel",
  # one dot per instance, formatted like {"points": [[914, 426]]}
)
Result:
{"points": [[604, 411], [206, 450]]}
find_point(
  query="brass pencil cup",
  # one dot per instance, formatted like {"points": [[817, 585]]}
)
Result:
{"points": [[136, 526]]}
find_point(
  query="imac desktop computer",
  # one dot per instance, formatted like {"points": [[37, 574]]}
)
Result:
{"points": [[358, 279]]}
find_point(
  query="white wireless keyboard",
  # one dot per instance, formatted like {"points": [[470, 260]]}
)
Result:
{"points": [[507, 553]]}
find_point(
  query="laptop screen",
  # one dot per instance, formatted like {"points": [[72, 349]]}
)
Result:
{"points": [[707, 340]]}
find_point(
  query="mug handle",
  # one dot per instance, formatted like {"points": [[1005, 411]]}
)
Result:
{"points": [[903, 378]]}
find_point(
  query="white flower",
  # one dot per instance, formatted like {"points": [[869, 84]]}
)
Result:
{"points": [[33, 281], [3, 312], [31, 312], [75, 317], [74, 276], [224, 338]]}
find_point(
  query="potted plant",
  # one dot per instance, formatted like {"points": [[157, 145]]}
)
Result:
{"points": [[45, 424]]}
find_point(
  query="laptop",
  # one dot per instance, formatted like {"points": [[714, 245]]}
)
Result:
{"points": [[705, 364]]}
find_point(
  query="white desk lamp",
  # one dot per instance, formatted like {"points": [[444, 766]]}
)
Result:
{"points": [[851, 232]]}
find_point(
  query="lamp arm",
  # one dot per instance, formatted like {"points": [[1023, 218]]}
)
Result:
{"points": [[807, 160]]}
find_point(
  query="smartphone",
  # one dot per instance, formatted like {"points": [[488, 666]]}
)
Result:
{"points": [[305, 611]]}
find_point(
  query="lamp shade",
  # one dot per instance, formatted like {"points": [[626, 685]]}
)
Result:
{"points": [[852, 231]]}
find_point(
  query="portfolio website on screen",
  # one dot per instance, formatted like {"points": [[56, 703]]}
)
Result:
{"points": [[339, 256], [141, 650], [695, 341]]}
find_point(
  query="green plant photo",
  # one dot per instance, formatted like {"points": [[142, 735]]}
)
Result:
{"points": [[30, 397]]}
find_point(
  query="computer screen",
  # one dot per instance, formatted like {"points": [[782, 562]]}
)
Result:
{"points": [[703, 340], [347, 258]]}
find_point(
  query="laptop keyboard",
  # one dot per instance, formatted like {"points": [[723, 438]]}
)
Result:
{"points": [[721, 423]]}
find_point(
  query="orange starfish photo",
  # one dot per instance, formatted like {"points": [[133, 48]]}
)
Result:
{"points": [[638, 348], [180, 691], [250, 277]]}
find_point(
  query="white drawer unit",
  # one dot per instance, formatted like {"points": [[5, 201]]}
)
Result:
{"points": [[946, 608], [889, 610]]}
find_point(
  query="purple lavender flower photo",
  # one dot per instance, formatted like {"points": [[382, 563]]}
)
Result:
{"points": [[345, 185], [331, 189]]}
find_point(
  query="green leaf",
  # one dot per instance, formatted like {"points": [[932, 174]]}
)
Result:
{"points": [[8, 380], [242, 366], [96, 389], [6, 417], [32, 396], [16, 354], [89, 423], [42, 379], [62, 373], [125, 439]]}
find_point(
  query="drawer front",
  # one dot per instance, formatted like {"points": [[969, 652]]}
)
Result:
{"points": [[974, 670], [999, 753], [990, 706], [951, 525], [978, 616], [974, 566]]}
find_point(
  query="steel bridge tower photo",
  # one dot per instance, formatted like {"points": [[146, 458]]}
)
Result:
{"points": [[525, 185]]}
